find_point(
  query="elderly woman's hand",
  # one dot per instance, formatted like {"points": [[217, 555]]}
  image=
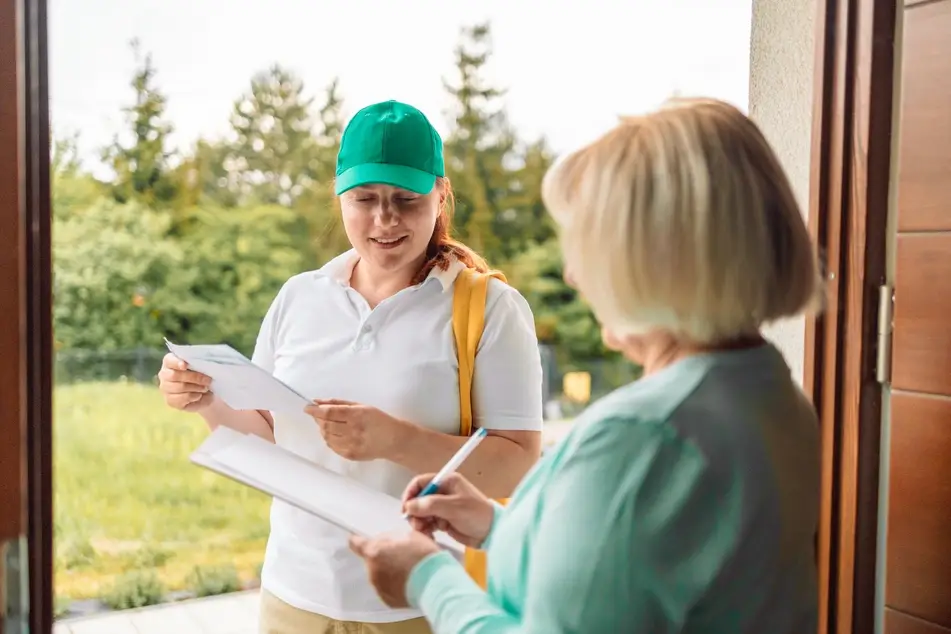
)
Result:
{"points": [[354, 431], [390, 560], [458, 508]]}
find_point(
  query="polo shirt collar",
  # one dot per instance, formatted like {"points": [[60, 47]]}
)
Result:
{"points": [[341, 267]]}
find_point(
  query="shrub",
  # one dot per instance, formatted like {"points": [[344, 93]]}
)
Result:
{"points": [[151, 557], [134, 589], [75, 553], [211, 580]]}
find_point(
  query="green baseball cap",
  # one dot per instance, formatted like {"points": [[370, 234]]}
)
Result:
{"points": [[391, 143]]}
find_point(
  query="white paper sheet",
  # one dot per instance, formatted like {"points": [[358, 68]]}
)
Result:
{"points": [[237, 381], [282, 474]]}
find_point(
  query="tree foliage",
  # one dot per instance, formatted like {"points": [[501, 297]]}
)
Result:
{"points": [[142, 166], [236, 261], [112, 263], [275, 150]]}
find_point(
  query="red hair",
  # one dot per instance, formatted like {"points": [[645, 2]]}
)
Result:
{"points": [[443, 249]]}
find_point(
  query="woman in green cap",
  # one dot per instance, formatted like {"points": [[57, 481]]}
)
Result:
{"points": [[370, 333]]}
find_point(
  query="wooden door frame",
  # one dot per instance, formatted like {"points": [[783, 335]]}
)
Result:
{"points": [[25, 291], [38, 379], [848, 213]]}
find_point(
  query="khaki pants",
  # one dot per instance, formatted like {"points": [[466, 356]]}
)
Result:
{"points": [[278, 617]]}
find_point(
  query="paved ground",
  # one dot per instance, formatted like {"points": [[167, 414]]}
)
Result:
{"points": [[230, 614]]}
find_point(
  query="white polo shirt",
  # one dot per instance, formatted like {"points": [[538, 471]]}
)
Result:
{"points": [[321, 338]]}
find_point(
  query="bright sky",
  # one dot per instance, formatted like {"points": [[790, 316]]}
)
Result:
{"points": [[570, 66]]}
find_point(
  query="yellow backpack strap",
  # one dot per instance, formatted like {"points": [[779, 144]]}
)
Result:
{"points": [[461, 301], [468, 322]]}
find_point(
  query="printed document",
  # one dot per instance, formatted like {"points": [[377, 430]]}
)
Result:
{"points": [[237, 381]]}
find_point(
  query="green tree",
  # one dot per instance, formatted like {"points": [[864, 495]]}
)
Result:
{"points": [[317, 204], [207, 176], [64, 155], [73, 189], [142, 166], [112, 264], [528, 222], [561, 317], [565, 321], [275, 148], [332, 123], [235, 262], [479, 145]]}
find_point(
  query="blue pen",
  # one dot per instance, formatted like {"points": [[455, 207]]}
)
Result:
{"points": [[454, 463]]}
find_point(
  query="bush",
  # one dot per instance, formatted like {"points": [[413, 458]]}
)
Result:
{"points": [[211, 580], [134, 589], [151, 557], [75, 553]]}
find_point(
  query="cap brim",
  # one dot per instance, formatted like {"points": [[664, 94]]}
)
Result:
{"points": [[401, 176]]}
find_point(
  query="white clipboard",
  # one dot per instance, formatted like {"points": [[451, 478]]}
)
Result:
{"points": [[337, 499]]}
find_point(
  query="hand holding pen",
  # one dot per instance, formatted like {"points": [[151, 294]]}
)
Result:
{"points": [[448, 502]]}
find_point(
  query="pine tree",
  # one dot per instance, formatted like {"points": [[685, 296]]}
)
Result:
{"points": [[73, 189], [529, 221], [64, 155], [274, 146], [480, 144], [317, 204], [331, 119], [142, 168]]}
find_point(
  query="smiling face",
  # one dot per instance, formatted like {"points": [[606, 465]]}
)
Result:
{"points": [[390, 227]]}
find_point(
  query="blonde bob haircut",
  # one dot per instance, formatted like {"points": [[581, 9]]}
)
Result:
{"points": [[683, 221]]}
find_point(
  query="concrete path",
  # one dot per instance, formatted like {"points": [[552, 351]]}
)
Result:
{"points": [[228, 614]]}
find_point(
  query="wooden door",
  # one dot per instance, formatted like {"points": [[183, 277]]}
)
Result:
{"points": [[918, 545]]}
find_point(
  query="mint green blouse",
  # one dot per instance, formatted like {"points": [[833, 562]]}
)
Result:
{"points": [[685, 502]]}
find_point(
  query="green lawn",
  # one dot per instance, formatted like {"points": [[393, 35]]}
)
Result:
{"points": [[127, 497]]}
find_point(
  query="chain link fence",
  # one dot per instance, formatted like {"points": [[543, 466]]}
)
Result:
{"points": [[81, 366]]}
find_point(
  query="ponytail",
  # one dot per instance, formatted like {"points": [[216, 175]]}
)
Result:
{"points": [[442, 249]]}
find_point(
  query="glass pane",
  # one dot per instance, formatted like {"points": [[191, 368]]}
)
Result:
{"points": [[14, 586]]}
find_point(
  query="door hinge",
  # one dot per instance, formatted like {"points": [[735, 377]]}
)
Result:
{"points": [[883, 362]]}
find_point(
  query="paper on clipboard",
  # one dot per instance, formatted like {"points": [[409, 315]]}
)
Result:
{"points": [[342, 501], [237, 380]]}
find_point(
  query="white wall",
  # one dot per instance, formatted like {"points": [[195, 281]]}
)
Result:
{"points": [[782, 53]]}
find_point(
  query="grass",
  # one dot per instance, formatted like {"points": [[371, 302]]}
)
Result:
{"points": [[128, 499]]}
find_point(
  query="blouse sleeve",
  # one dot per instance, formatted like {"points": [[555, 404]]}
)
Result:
{"points": [[628, 540], [265, 345]]}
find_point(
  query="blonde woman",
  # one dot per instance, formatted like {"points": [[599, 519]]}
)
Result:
{"points": [[684, 502]]}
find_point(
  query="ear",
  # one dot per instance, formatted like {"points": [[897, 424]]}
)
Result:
{"points": [[443, 185]]}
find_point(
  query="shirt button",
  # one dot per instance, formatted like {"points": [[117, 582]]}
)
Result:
{"points": [[368, 328]]}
